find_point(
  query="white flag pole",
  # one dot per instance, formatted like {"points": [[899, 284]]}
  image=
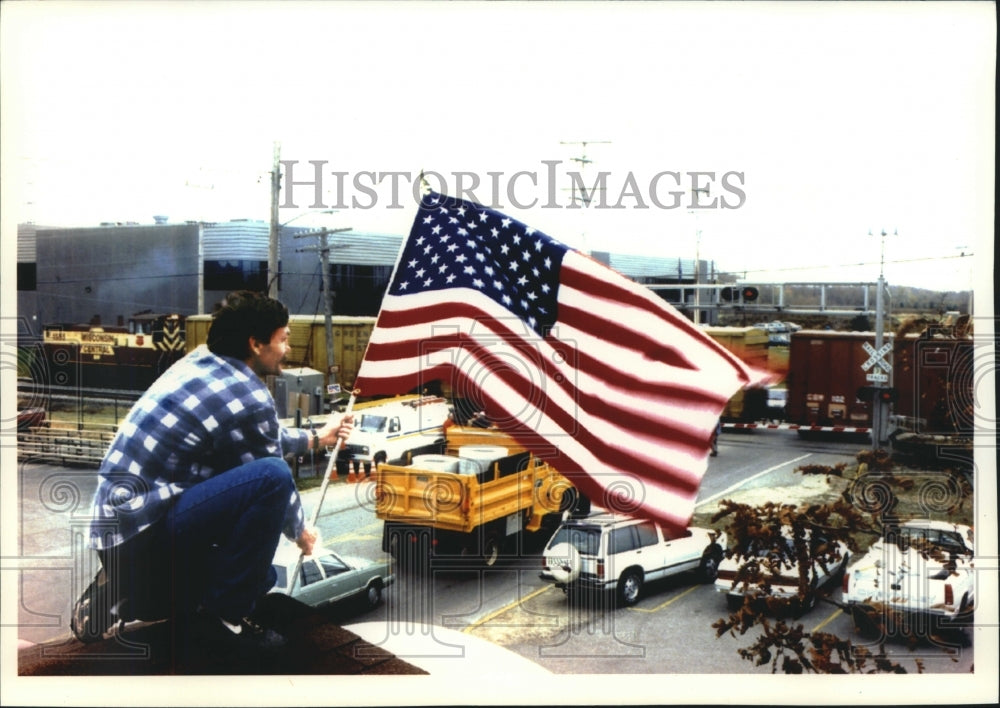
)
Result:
{"points": [[322, 494]]}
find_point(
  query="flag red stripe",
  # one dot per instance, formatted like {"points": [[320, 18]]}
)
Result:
{"points": [[665, 478], [610, 375], [606, 371], [606, 289], [588, 405], [601, 407]]}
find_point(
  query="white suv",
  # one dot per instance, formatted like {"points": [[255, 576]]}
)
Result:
{"points": [[608, 551]]}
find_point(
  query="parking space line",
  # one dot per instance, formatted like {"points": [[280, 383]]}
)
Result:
{"points": [[827, 621], [506, 608], [750, 479], [668, 602]]}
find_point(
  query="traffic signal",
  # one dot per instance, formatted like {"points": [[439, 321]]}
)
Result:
{"points": [[733, 294], [887, 395], [869, 394]]}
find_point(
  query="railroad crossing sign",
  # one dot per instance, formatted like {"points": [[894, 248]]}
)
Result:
{"points": [[876, 359]]}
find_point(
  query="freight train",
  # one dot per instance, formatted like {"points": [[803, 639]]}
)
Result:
{"points": [[131, 356], [120, 357], [929, 387], [308, 344], [933, 417], [930, 393]]}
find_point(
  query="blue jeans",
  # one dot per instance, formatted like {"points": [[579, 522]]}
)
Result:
{"points": [[213, 549]]}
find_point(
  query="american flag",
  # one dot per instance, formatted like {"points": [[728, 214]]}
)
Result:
{"points": [[560, 351]]}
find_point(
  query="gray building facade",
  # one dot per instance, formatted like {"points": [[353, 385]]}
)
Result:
{"points": [[107, 274]]}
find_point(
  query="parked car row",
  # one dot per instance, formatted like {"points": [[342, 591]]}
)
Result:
{"points": [[916, 567]]}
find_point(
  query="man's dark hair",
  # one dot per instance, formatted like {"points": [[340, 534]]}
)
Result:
{"points": [[244, 314]]}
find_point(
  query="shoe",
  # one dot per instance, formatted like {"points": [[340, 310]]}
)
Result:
{"points": [[244, 635], [97, 610]]}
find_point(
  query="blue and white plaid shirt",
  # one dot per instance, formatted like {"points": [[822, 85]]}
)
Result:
{"points": [[205, 415]]}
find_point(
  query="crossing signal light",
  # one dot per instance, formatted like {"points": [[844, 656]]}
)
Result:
{"points": [[871, 393], [732, 294]]}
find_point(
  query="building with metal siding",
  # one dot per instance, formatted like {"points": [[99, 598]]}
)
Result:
{"points": [[109, 272], [650, 270], [360, 267], [113, 271], [106, 274]]}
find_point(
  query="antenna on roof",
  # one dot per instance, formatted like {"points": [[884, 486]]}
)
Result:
{"points": [[583, 160]]}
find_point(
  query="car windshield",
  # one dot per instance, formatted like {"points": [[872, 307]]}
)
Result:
{"points": [[765, 550], [585, 539], [948, 541], [372, 423]]}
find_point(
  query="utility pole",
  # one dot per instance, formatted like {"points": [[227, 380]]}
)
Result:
{"points": [[585, 198], [697, 255], [272, 243], [880, 408], [324, 256], [584, 161]]}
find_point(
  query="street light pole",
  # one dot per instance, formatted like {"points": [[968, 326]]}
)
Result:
{"points": [[697, 253]]}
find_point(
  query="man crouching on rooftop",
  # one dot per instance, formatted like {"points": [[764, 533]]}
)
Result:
{"points": [[194, 490]]}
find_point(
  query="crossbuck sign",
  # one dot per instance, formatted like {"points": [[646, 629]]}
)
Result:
{"points": [[877, 360]]}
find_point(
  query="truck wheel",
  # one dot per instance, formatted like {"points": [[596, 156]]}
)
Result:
{"points": [[629, 587], [394, 544], [491, 551]]}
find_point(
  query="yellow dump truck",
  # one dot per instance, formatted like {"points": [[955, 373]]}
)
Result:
{"points": [[472, 501]]}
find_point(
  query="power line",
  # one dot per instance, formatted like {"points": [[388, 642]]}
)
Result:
{"points": [[843, 265]]}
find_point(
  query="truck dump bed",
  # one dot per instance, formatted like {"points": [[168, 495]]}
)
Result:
{"points": [[482, 476]]}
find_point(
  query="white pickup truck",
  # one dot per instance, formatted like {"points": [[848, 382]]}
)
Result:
{"points": [[920, 567], [388, 430]]}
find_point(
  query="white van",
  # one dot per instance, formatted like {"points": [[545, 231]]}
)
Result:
{"points": [[389, 430]]}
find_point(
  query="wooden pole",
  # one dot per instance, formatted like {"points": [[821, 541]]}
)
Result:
{"points": [[272, 244]]}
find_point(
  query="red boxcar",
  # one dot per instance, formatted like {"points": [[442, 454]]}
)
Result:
{"points": [[824, 376]]}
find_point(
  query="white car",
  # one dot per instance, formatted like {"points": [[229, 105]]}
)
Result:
{"points": [[919, 567], [326, 577], [780, 572], [611, 552]]}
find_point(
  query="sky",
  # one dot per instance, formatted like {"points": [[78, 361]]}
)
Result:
{"points": [[812, 125]]}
